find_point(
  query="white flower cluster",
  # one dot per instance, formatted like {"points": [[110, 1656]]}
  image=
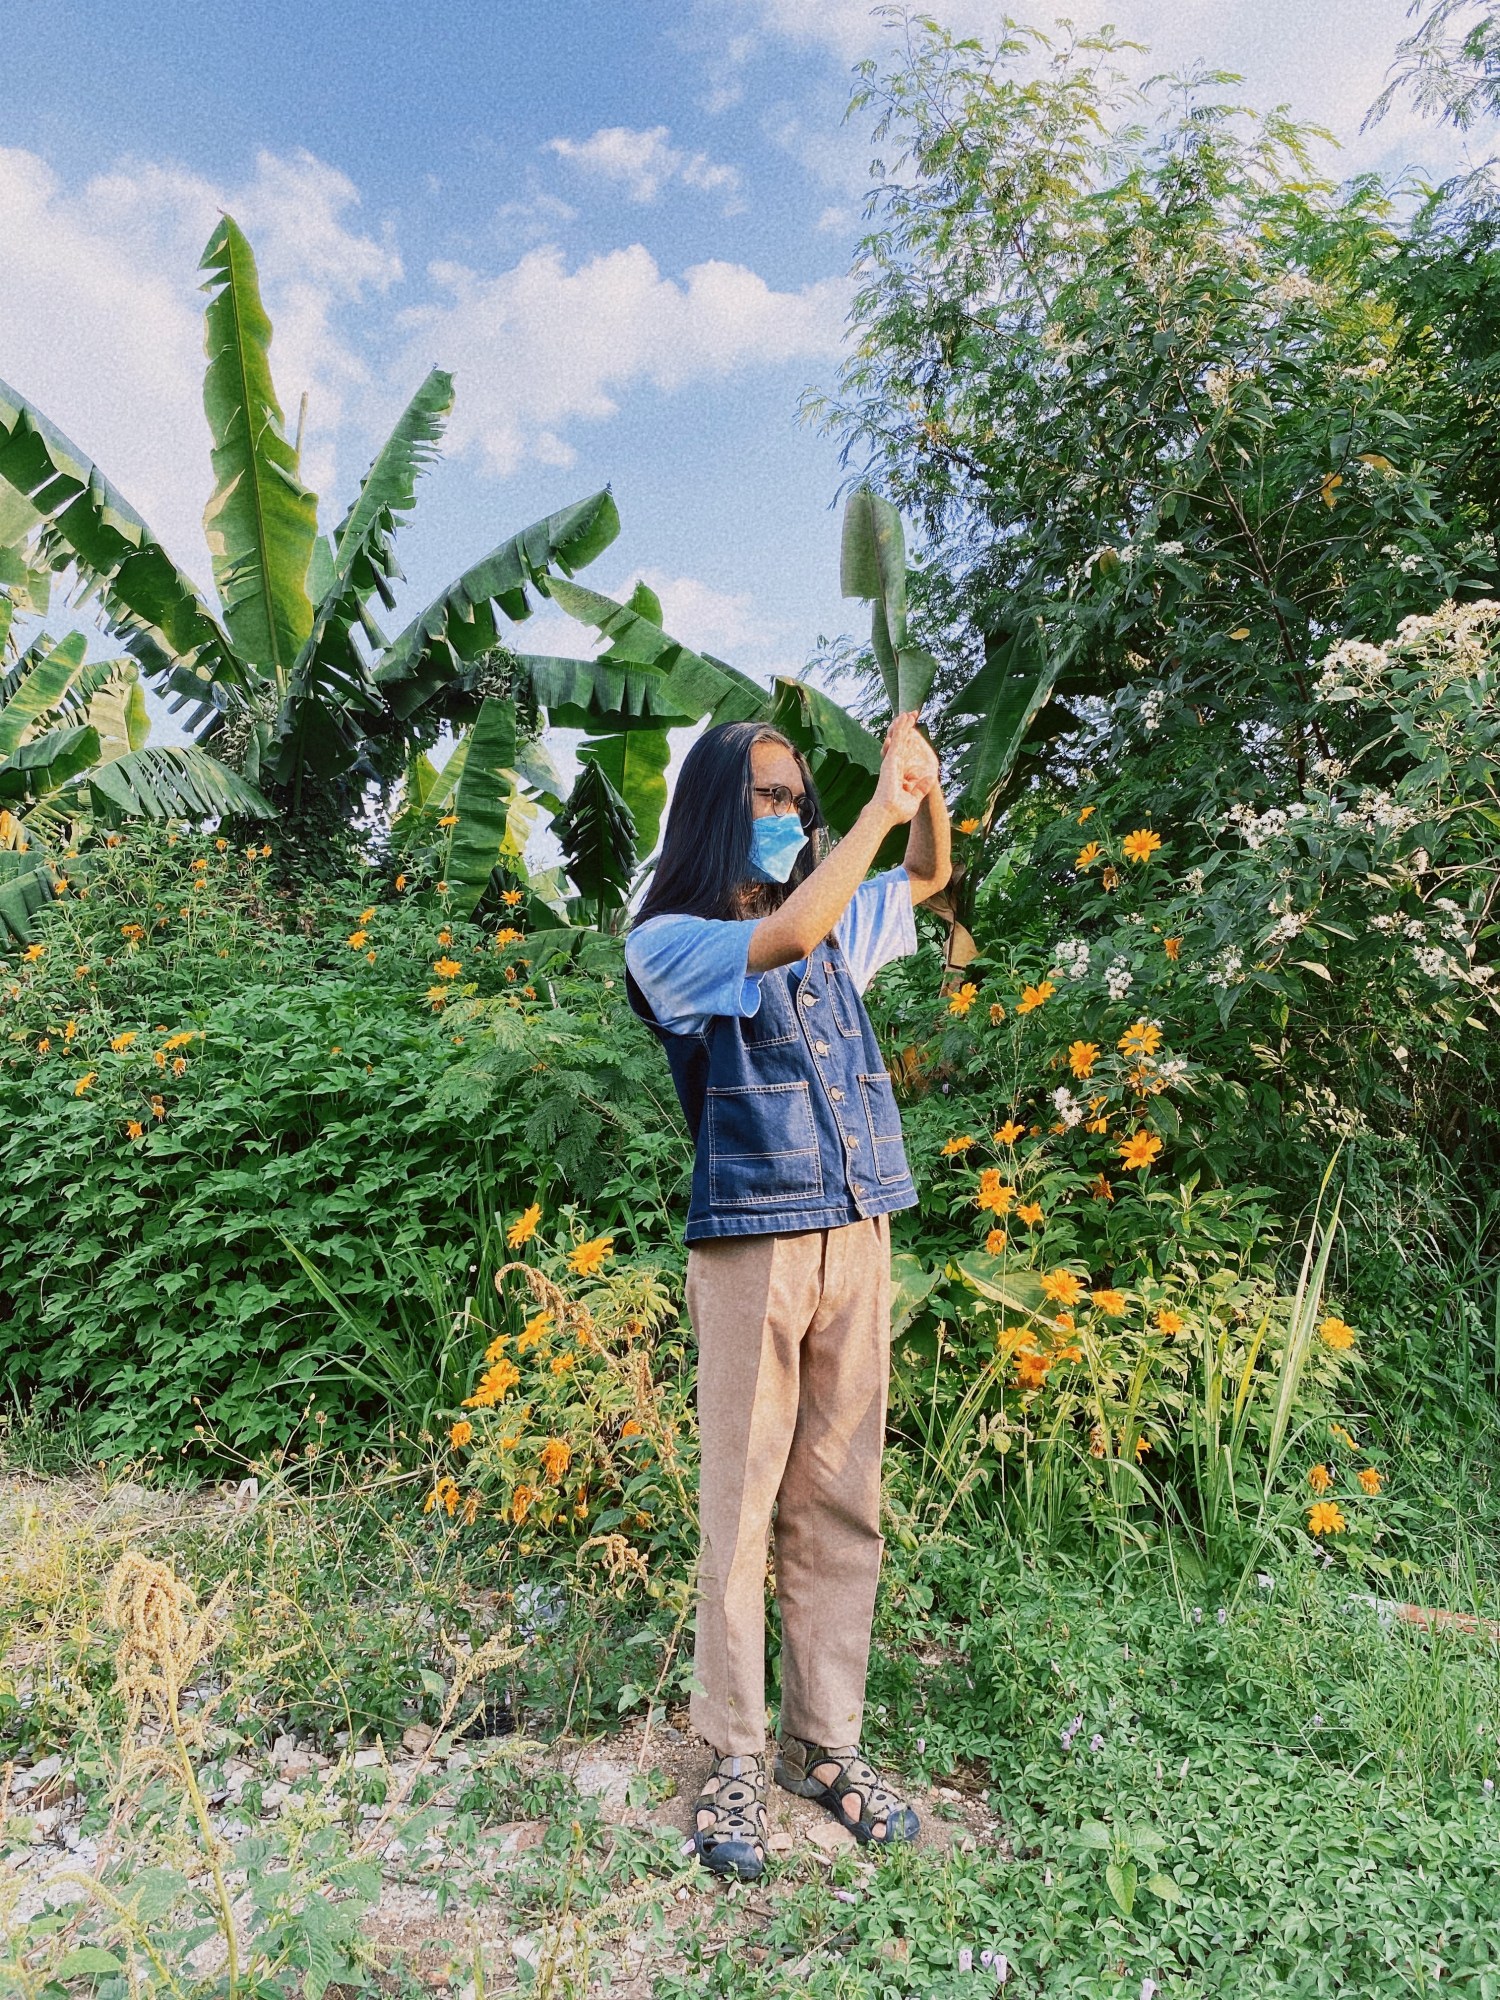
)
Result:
{"points": [[1152, 708], [1329, 768], [1257, 828], [1408, 564], [1068, 1108], [1432, 960], [1193, 881], [1287, 927], [1381, 813], [1169, 548], [1173, 1070], [1228, 970], [1453, 925], [1072, 958], [1119, 979]]}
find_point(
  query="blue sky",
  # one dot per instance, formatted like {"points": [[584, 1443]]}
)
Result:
{"points": [[625, 225]]}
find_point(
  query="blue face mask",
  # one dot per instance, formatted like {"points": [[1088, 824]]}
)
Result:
{"points": [[776, 839]]}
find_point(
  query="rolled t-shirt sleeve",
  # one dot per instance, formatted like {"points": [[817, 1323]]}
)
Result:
{"points": [[693, 968], [879, 925]]}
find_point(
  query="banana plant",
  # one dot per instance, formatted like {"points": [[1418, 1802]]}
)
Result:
{"points": [[289, 676], [73, 751]]}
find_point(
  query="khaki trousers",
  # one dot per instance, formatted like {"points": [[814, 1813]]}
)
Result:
{"points": [[793, 1369]]}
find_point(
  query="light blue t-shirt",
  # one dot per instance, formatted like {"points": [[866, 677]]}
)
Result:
{"points": [[694, 968]]}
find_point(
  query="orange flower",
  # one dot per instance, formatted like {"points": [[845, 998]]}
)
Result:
{"points": [[1009, 1132], [200, 864], [447, 968], [1088, 855], [1082, 1056], [968, 826], [1033, 997], [32, 953], [959, 1145], [557, 1455], [497, 1347], [400, 882], [534, 1331], [1142, 1446], [1324, 1518], [997, 1013], [1030, 1212], [1320, 1479], [996, 1241], [443, 937], [964, 998], [1172, 947], [495, 1384], [524, 1227], [437, 997], [44, 1043], [563, 1364], [587, 1261], [510, 897], [1141, 1038], [1139, 1150], [1168, 1321], [508, 935], [994, 1194], [444, 1495], [84, 1081], [1085, 813], [1096, 1125], [521, 1502], [1110, 879], [1062, 1287], [120, 1042], [471, 1510], [158, 1108], [1369, 1480], [356, 940], [1031, 1369], [1109, 1301], [1140, 846], [134, 1129], [1101, 1189], [1335, 1333], [448, 819], [460, 1433]]}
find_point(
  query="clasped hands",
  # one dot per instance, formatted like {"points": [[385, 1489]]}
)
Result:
{"points": [[908, 768]]}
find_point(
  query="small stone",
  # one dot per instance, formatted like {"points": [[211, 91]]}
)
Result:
{"points": [[832, 1839], [283, 1747], [368, 1760], [417, 1738]]}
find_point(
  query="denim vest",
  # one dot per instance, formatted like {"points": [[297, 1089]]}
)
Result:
{"points": [[791, 1109]]}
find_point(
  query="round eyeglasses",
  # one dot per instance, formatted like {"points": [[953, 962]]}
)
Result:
{"points": [[784, 800]]}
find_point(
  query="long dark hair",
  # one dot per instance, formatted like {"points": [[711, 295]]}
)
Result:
{"points": [[704, 866]]}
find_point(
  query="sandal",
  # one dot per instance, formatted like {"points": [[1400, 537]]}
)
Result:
{"points": [[729, 1819], [839, 1779]]}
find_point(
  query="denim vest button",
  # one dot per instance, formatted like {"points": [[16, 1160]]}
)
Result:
{"points": [[851, 1142], [835, 1093], [821, 1048]]}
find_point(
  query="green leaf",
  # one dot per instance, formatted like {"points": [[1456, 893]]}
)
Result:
{"points": [[698, 684], [331, 688], [261, 522], [1166, 1888], [172, 781], [635, 762], [597, 835], [147, 601], [912, 1283], [38, 688], [1093, 1833], [47, 763], [872, 565], [584, 694], [1018, 1291], [1001, 702], [86, 1961], [1119, 1877], [483, 799], [25, 885], [464, 622]]}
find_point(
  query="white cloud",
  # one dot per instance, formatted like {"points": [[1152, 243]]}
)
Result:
{"points": [[539, 347], [101, 319], [643, 163]]}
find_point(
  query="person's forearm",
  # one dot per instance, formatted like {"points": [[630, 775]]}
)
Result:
{"points": [[815, 906], [929, 859]]}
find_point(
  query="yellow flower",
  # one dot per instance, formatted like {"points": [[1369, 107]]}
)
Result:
{"points": [[70, 1029], [557, 1455], [994, 1193], [32, 953], [507, 934], [1141, 845], [1344, 1437], [180, 1040], [1030, 1212], [534, 1331], [448, 819], [497, 1347], [587, 1261], [964, 998], [179, 1064], [494, 1384], [1062, 1287], [1324, 1518], [1142, 1446], [524, 1227], [447, 968], [134, 1129], [1033, 997], [510, 897], [84, 1081], [1031, 1368], [1320, 1479], [265, 852], [1139, 1150], [119, 1042], [1085, 813], [471, 1509], [1082, 1056], [460, 1433], [1101, 1189], [365, 915], [1009, 1132], [1096, 1125], [158, 1108], [1168, 1321], [1369, 1480], [996, 1241], [400, 882], [968, 826], [159, 1057], [563, 1364], [442, 888], [1335, 1333], [445, 937], [437, 996], [520, 1503], [444, 1495], [1087, 856], [221, 844], [1142, 1038], [1172, 947], [200, 864], [357, 940], [44, 1044], [1109, 1301], [997, 1013], [959, 1145]]}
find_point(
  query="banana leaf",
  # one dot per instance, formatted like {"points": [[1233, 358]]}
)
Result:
{"points": [[261, 521], [597, 836], [698, 684], [872, 565], [42, 678], [483, 799], [171, 781]]}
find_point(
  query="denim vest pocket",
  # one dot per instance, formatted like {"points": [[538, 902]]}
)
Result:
{"points": [[743, 1123], [843, 1000], [884, 1121], [773, 1021]]}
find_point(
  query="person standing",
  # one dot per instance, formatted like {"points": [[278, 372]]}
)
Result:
{"points": [[748, 959]]}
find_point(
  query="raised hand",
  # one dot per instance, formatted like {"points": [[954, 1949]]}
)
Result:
{"points": [[908, 770]]}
